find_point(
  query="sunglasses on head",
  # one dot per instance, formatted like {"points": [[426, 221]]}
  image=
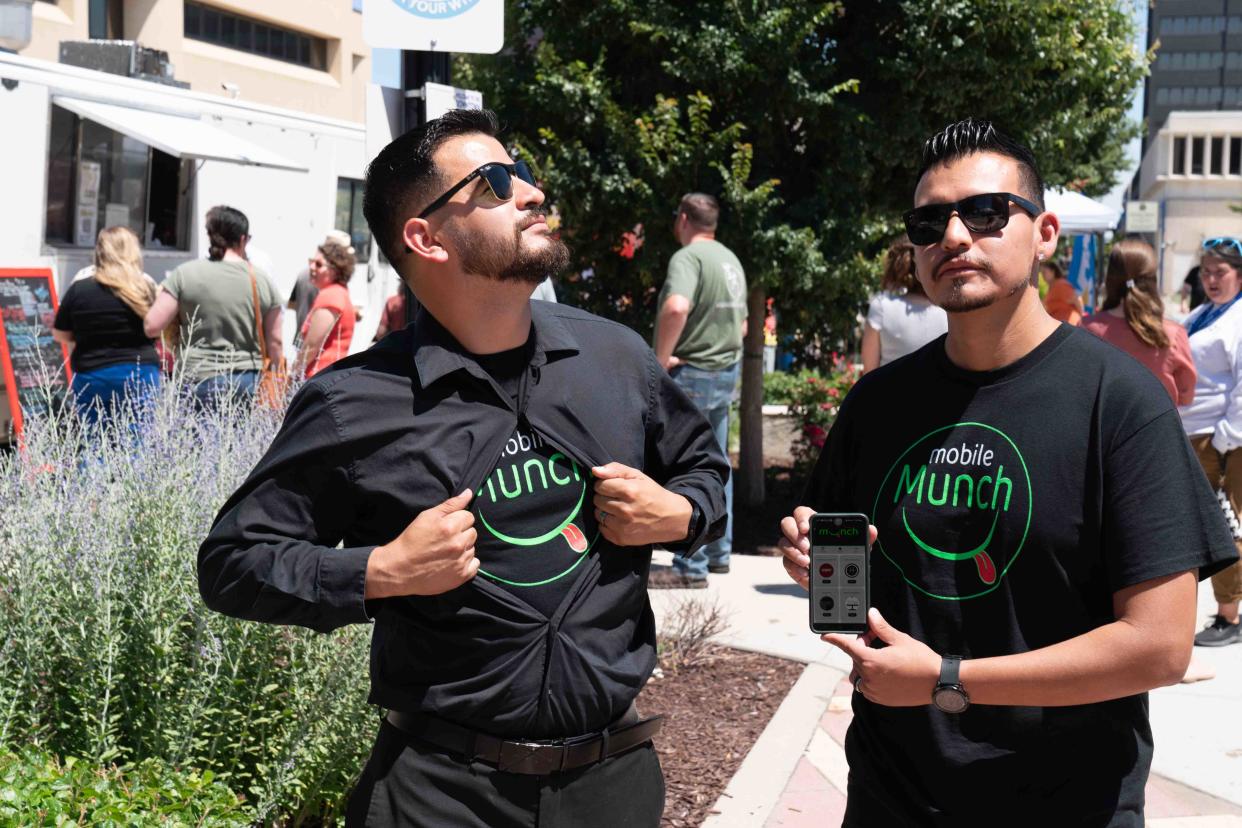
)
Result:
{"points": [[1224, 243], [499, 178], [983, 213]]}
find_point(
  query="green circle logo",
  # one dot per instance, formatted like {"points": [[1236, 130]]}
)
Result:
{"points": [[954, 511]]}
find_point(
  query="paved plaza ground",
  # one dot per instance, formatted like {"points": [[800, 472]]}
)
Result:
{"points": [[795, 774]]}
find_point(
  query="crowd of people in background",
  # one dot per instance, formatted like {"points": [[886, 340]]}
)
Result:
{"points": [[220, 317]]}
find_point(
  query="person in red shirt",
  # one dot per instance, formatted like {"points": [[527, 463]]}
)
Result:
{"points": [[1132, 318], [395, 316], [329, 327]]}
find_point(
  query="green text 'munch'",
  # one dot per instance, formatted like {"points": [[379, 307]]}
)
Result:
{"points": [[962, 488]]}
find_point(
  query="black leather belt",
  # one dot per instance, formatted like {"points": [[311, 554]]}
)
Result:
{"points": [[536, 758]]}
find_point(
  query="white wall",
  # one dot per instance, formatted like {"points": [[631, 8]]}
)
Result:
{"points": [[25, 114]]}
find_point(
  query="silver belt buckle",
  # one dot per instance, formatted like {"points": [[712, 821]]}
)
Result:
{"points": [[530, 757]]}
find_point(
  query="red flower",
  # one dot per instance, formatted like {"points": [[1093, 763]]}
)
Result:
{"points": [[834, 393], [815, 434]]}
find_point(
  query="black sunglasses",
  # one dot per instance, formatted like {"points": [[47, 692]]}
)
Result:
{"points": [[499, 178], [983, 213]]}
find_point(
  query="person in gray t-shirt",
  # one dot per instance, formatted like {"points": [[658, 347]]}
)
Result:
{"points": [[213, 303]]}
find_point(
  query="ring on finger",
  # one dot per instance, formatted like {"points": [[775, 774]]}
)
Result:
{"points": [[601, 516], [857, 681]]}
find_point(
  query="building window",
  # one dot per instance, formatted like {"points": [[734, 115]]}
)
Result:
{"points": [[358, 6], [1217, 161], [1235, 156], [349, 216], [99, 178], [105, 20], [1179, 156], [1196, 155], [236, 32], [1197, 25]]}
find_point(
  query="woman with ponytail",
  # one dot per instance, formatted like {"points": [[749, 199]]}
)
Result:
{"points": [[214, 303], [100, 320], [1132, 318]]}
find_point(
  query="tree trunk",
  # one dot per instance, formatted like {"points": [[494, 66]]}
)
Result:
{"points": [[748, 489]]}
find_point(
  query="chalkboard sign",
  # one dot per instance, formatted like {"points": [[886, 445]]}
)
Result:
{"points": [[30, 358]]}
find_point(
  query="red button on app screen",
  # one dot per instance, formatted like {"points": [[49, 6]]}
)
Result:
{"points": [[825, 570]]}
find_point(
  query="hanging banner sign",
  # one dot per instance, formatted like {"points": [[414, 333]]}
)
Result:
{"points": [[33, 365], [476, 26], [439, 99]]}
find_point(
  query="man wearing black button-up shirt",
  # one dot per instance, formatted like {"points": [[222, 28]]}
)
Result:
{"points": [[485, 486]]}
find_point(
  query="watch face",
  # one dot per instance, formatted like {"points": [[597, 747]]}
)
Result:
{"points": [[950, 699]]}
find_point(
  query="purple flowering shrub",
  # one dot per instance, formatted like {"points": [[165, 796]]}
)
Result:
{"points": [[108, 653]]}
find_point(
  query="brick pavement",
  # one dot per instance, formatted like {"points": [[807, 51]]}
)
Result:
{"points": [[814, 796]]}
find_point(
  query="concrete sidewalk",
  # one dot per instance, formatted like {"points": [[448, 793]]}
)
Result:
{"points": [[795, 774]]}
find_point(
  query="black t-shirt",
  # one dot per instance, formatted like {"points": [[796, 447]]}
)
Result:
{"points": [[1197, 294], [105, 330], [534, 514], [1011, 505]]}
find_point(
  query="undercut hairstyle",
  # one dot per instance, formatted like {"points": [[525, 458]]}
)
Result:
{"points": [[1130, 281], [899, 268], [702, 210], [226, 227], [403, 179], [970, 136], [340, 258]]}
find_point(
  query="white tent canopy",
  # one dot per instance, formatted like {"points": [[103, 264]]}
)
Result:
{"points": [[1080, 215]]}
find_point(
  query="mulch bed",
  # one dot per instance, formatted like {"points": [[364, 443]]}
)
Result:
{"points": [[714, 713]]}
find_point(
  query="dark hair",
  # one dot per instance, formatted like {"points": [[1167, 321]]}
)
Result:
{"points": [[339, 258], [702, 210], [1058, 272], [1225, 253], [226, 226], [1131, 279], [971, 136], [899, 268], [403, 178]]}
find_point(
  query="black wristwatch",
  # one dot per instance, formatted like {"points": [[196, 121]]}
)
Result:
{"points": [[949, 695]]}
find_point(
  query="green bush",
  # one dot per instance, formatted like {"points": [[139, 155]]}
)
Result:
{"points": [[36, 790], [814, 400], [779, 386], [109, 654]]}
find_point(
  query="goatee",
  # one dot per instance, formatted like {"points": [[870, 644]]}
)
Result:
{"points": [[512, 259]]}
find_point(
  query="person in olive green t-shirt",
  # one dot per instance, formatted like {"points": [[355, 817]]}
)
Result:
{"points": [[212, 300], [700, 322]]}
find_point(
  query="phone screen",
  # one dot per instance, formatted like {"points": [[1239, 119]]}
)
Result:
{"points": [[839, 577]]}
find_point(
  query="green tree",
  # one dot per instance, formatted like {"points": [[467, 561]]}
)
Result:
{"points": [[805, 118]]}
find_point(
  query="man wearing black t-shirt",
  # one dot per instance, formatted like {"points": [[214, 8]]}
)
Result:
{"points": [[1039, 523], [485, 485]]}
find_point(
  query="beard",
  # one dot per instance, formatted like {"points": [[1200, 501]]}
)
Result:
{"points": [[511, 259], [957, 302]]}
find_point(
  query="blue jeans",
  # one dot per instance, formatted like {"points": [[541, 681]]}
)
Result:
{"points": [[712, 392], [97, 393], [209, 392]]}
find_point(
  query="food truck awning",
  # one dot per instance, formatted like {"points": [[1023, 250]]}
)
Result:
{"points": [[182, 136]]}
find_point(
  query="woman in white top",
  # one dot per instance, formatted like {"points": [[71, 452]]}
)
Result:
{"points": [[1213, 421], [901, 318]]}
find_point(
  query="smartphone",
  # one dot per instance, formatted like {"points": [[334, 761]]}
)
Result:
{"points": [[840, 575]]}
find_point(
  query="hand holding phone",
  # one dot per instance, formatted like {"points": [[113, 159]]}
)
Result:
{"points": [[839, 575]]}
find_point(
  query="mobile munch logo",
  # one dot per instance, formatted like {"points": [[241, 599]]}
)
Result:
{"points": [[955, 509], [843, 532], [436, 9], [535, 515]]}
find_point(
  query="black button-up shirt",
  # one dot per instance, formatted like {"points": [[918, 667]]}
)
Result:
{"points": [[383, 435]]}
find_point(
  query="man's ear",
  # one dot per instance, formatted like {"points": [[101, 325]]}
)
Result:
{"points": [[1048, 230], [418, 238]]}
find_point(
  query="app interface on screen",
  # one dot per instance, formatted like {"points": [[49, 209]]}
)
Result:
{"points": [[838, 588]]}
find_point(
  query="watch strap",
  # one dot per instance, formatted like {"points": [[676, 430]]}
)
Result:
{"points": [[950, 670]]}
